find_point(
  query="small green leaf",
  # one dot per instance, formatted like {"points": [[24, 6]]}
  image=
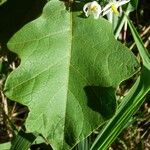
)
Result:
{"points": [[70, 68]]}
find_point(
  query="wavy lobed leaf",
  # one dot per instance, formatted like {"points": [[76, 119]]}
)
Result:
{"points": [[70, 67]]}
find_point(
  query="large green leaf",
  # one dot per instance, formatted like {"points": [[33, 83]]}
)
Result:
{"points": [[70, 67]]}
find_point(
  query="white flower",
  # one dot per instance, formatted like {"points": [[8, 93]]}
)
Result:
{"points": [[112, 6], [92, 8]]}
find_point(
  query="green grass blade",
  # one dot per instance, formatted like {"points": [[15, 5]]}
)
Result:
{"points": [[131, 6], [120, 25], [23, 141], [142, 50], [83, 145]]}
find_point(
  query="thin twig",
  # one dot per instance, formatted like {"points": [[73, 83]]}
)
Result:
{"points": [[23, 110], [146, 44], [6, 115], [145, 31], [13, 109], [125, 31], [5, 105]]}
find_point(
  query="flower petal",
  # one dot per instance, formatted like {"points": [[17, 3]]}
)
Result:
{"points": [[92, 8], [120, 3], [86, 7], [110, 16], [107, 7], [96, 15], [106, 12]]}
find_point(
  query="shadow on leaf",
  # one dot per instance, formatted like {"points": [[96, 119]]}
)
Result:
{"points": [[101, 99]]}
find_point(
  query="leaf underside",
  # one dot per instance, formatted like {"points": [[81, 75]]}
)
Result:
{"points": [[70, 67]]}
